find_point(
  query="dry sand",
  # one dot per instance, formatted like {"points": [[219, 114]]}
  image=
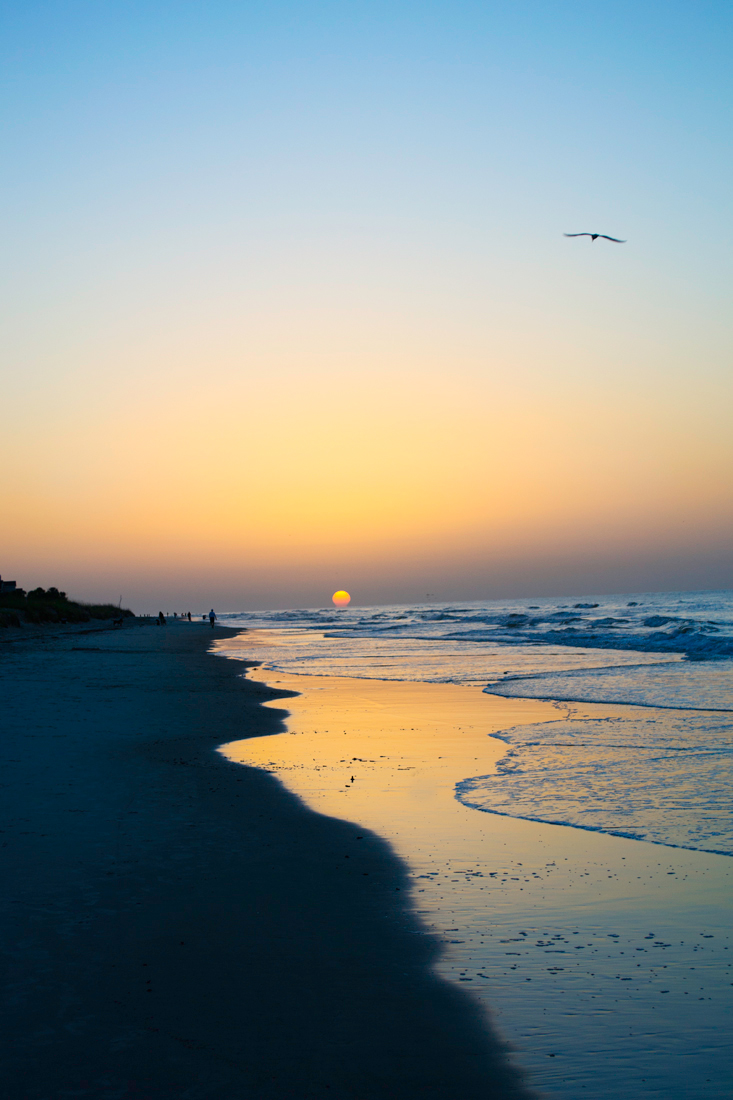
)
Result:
{"points": [[179, 926]]}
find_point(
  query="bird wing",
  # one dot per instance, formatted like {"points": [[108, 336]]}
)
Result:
{"points": [[611, 238], [577, 234]]}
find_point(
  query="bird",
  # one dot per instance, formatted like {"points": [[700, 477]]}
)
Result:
{"points": [[595, 236]]}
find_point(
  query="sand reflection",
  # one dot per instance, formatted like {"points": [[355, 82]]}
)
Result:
{"points": [[586, 946], [382, 753]]}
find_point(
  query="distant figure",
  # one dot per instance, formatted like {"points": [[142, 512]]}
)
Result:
{"points": [[595, 236], [212, 618], [161, 619], [189, 616]]}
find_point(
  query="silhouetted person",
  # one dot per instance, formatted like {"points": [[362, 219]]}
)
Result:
{"points": [[212, 618], [189, 616], [161, 619]]}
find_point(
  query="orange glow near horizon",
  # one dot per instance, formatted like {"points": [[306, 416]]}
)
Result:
{"points": [[467, 485], [315, 317], [341, 598]]}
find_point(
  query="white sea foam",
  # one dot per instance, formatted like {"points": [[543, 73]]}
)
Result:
{"points": [[659, 776], [682, 685]]}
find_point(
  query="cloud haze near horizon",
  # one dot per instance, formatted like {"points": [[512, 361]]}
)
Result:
{"points": [[289, 307]]}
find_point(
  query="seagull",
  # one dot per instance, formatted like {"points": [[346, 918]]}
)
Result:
{"points": [[595, 236]]}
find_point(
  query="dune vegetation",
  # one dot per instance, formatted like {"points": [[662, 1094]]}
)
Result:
{"points": [[51, 606]]}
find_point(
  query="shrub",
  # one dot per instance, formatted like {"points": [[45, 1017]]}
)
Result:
{"points": [[52, 606]]}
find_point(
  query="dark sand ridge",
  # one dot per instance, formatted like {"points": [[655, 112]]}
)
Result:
{"points": [[181, 926]]}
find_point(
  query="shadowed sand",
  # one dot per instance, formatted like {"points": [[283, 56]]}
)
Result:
{"points": [[180, 926]]}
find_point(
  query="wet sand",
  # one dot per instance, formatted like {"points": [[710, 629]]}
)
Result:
{"points": [[179, 926], [604, 961]]}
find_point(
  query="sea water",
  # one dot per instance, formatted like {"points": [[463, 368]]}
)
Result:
{"points": [[582, 887], [662, 773]]}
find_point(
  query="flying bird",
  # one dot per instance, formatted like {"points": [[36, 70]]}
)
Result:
{"points": [[595, 236]]}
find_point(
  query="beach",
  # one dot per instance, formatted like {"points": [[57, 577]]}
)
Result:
{"points": [[603, 960], [385, 348], [178, 925]]}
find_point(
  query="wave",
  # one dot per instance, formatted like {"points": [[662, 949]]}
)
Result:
{"points": [[654, 624], [677, 685], [663, 779], [694, 644]]}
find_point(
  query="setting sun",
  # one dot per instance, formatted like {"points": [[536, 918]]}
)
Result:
{"points": [[341, 598]]}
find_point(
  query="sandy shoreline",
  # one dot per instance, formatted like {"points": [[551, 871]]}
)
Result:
{"points": [[180, 926], [604, 961]]}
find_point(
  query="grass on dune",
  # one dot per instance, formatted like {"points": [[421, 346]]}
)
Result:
{"points": [[52, 606]]}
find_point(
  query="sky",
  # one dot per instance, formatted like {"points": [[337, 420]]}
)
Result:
{"points": [[287, 305]]}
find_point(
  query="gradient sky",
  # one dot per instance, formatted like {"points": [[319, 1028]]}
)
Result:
{"points": [[287, 305]]}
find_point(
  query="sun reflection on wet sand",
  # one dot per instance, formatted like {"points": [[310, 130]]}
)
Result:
{"points": [[586, 947], [381, 751]]}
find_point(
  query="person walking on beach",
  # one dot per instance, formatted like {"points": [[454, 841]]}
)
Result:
{"points": [[212, 618]]}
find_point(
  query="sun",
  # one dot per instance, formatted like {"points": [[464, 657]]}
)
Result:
{"points": [[341, 598]]}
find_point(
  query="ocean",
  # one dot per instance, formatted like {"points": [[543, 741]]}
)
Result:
{"points": [[568, 843], [660, 772]]}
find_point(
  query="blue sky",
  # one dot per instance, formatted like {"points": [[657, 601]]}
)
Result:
{"points": [[201, 196]]}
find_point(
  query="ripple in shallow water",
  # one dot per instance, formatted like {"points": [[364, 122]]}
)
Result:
{"points": [[664, 778]]}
